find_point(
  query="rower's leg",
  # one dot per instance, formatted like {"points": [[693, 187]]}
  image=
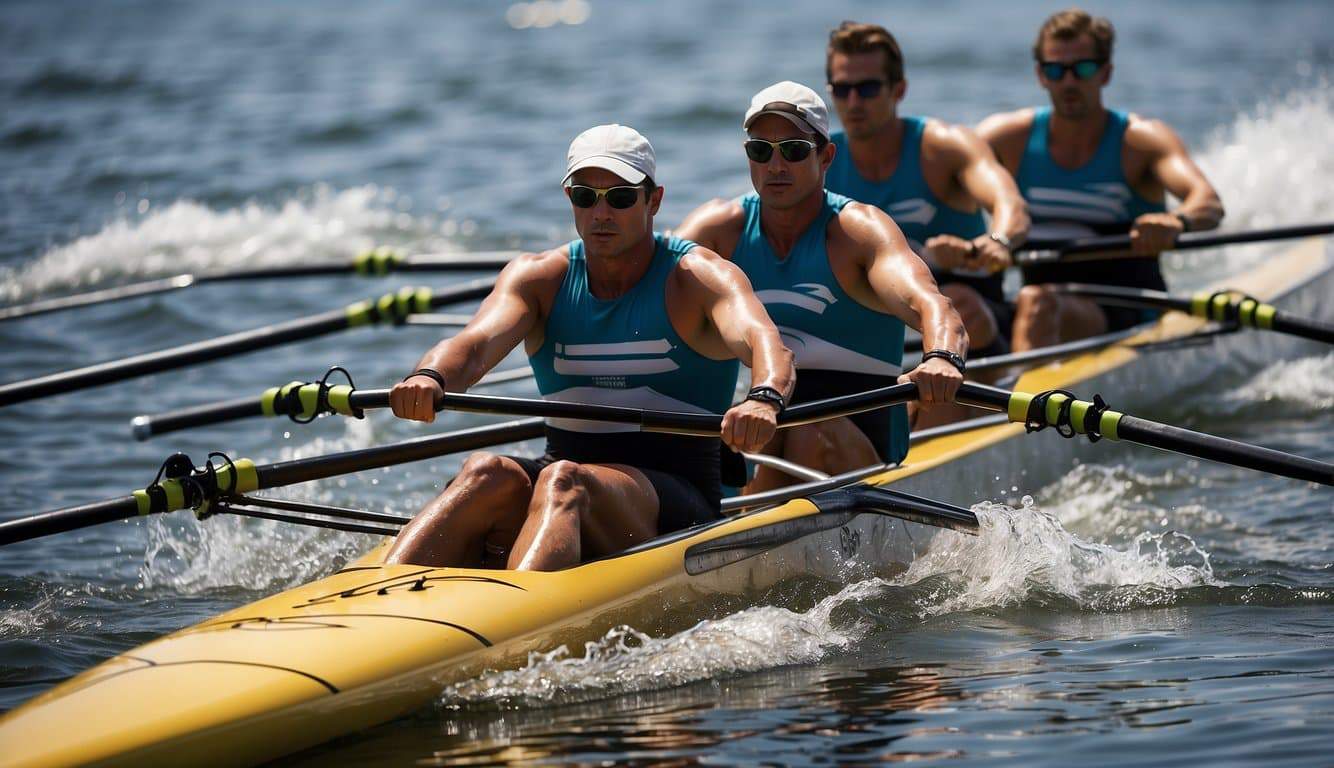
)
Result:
{"points": [[1043, 317], [832, 446], [484, 504], [579, 509], [976, 315]]}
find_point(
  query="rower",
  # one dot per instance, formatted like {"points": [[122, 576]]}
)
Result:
{"points": [[1085, 169], [623, 316], [840, 280], [934, 179]]}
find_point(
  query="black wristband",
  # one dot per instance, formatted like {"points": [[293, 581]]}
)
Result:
{"points": [[1185, 222], [950, 357], [767, 395], [430, 373]]}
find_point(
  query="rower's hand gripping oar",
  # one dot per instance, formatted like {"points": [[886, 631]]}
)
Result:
{"points": [[303, 402], [391, 308], [373, 263], [1071, 417], [1037, 251], [1231, 308]]}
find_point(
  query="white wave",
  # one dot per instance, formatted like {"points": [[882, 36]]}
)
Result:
{"points": [[1272, 168], [1307, 383], [319, 224]]}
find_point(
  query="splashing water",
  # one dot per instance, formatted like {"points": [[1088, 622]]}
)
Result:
{"points": [[319, 224], [187, 556], [1306, 385], [1281, 151], [1021, 557]]}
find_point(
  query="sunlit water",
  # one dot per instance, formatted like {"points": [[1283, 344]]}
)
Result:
{"points": [[1144, 609]]}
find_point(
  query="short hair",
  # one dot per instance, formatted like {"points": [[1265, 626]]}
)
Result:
{"points": [[854, 37], [1070, 24]]}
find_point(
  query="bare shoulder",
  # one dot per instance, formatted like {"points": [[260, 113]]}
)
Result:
{"points": [[865, 229], [1152, 136], [943, 141], [703, 268], [714, 221], [538, 272], [1004, 127]]}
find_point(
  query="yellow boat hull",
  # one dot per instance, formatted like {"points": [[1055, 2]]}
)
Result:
{"points": [[373, 642]]}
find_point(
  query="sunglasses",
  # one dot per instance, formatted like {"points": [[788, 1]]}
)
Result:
{"points": [[792, 150], [617, 197], [1083, 69], [866, 89]]}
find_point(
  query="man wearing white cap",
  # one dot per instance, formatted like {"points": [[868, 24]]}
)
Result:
{"points": [[622, 316], [839, 279]]}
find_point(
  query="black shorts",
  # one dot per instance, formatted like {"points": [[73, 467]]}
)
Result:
{"points": [[680, 503]]}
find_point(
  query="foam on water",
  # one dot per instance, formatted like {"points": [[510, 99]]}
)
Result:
{"points": [[1305, 385], [319, 224], [1023, 555], [1271, 166]]}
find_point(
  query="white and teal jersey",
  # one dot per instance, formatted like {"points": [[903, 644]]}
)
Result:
{"points": [[825, 328], [624, 351]]}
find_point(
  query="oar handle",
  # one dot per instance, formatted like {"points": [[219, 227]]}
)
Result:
{"points": [[1047, 251]]}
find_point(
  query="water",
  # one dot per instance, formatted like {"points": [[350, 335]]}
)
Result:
{"points": [[1140, 610]]}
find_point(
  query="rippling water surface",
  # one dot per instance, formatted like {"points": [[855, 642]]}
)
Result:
{"points": [[1140, 610]]}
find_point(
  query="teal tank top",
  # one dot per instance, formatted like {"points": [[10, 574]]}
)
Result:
{"points": [[624, 351], [1094, 199], [840, 346], [905, 195]]}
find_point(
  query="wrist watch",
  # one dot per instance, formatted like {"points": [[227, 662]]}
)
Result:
{"points": [[767, 395], [1003, 240], [953, 358]]}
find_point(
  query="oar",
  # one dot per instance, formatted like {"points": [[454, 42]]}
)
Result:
{"points": [[1049, 251], [390, 308], [1071, 417], [306, 401], [377, 262], [187, 487], [1231, 307]]}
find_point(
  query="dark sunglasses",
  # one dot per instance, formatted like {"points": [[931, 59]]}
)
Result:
{"points": [[792, 150], [617, 197], [867, 89], [1083, 69]]}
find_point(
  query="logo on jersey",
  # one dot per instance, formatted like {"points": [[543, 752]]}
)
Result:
{"points": [[1104, 202], [914, 210], [813, 297], [610, 364]]}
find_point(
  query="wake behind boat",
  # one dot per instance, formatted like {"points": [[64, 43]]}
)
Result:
{"points": [[373, 642]]}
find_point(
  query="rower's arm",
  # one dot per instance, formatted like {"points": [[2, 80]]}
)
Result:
{"points": [[729, 303], [987, 182], [509, 313], [901, 280], [1200, 205]]}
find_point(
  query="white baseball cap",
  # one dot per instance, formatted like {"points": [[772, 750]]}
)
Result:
{"points": [[616, 148], [794, 101]]}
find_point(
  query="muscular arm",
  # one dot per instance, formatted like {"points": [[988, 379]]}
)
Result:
{"points": [[724, 295], [732, 317], [987, 182], [508, 314], [1171, 165]]}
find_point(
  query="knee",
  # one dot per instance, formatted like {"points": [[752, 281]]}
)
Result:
{"points": [[489, 473], [977, 320], [562, 477], [1036, 302]]}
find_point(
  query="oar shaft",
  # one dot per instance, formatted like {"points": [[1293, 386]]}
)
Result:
{"points": [[103, 296], [1045, 251], [68, 519], [1214, 448], [365, 313], [144, 427]]}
